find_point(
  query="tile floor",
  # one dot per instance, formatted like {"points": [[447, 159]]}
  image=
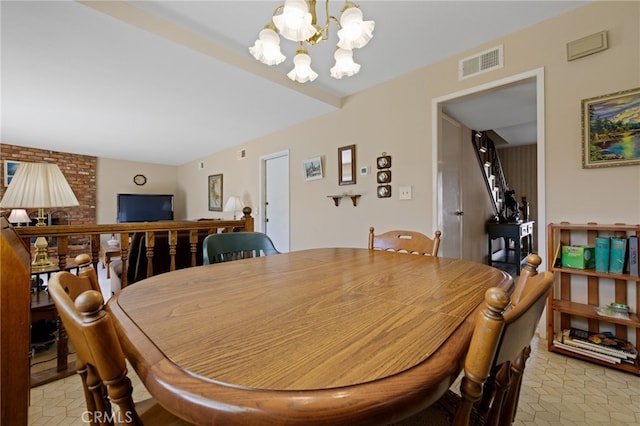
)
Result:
{"points": [[556, 390]]}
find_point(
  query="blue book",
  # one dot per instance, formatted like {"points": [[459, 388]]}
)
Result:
{"points": [[616, 255], [602, 254]]}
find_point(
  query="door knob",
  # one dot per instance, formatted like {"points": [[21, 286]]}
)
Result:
{"points": [[459, 213]]}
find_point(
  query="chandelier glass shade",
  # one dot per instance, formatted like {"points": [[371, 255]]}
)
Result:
{"points": [[267, 48], [296, 20], [302, 71]]}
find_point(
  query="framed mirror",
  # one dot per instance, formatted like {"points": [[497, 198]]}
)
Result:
{"points": [[347, 165]]}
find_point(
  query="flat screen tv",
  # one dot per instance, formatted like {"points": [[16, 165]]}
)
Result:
{"points": [[144, 207]]}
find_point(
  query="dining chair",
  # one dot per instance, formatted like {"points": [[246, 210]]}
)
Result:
{"points": [[405, 241], [100, 360], [495, 361], [236, 245]]}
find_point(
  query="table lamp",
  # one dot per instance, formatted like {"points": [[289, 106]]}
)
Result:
{"points": [[19, 216], [38, 185], [234, 204]]}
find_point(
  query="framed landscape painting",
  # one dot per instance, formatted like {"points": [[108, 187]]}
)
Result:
{"points": [[611, 130], [215, 193], [313, 168]]}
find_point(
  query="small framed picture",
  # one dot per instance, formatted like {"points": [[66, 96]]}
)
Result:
{"points": [[313, 168], [215, 193], [610, 130], [10, 168]]}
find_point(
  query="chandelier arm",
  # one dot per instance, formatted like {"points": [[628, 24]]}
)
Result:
{"points": [[276, 10], [336, 20], [348, 4]]}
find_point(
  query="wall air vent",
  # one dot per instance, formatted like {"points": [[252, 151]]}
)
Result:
{"points": [[241, 154], [482, 62]]}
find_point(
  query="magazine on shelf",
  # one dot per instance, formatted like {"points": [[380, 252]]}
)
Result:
{"points": [[604, 343], [613, 310], [557, 342]]}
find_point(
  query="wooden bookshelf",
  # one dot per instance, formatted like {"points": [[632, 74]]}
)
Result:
{"points": [[562, 306]]}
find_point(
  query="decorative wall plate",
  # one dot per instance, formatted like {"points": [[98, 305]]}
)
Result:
{"points": [[384, 162], [384, 176], [384, 191]]}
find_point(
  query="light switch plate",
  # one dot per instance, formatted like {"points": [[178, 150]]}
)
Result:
{"points": [[404, 192]]}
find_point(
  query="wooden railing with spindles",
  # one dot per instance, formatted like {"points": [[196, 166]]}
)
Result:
{"points": [[94, 233]]}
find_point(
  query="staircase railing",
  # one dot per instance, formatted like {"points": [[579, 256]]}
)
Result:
{"points": [[492, 171]]}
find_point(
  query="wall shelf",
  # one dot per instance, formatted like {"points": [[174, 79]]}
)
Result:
{"points": [[337, 198]]}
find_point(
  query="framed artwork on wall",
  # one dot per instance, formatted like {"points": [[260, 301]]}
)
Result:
{"points": [[313, 168], [10, 168], [611, 130], [215, 193]]}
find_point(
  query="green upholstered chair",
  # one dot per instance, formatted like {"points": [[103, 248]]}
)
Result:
{"points": [[236, 245]]}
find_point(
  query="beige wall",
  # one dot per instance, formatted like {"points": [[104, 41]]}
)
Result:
{"points": [[116, 176], [396, 118]]}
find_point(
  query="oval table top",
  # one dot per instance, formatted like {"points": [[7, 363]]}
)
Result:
{"points": [[320, 336]]}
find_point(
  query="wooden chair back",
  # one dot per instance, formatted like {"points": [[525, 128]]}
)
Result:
{"points": [[236, 245], [405, 242], [500, 401], [100, 359], [500, 347]]}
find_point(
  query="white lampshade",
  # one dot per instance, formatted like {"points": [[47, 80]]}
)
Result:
{"points": [[295, 21], [19, 216], [302, 71], [344, 67], [234, 204], [38, 185], [355, 32], [267, 48]]}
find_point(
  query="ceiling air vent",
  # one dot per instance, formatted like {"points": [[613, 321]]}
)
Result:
{"points": [[477, 64]]}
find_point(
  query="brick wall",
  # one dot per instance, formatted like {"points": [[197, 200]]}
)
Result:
{"points": [[79, 170]]}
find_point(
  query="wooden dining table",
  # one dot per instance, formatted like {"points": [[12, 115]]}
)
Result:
{"points": [[330, 336]]}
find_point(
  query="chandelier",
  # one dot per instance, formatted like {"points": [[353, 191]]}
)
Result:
{"points": [[297, 21]]}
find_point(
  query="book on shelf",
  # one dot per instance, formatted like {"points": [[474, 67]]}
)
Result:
{"points": [[602, 254], [617, 255], [603, 343], [633, 255]]}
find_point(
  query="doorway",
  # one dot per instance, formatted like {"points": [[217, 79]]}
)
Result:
{"points": [[441, 195], [274, 199]]}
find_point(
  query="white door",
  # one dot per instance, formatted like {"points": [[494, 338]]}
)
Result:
{"points": [[451, 159], [275, 207]]}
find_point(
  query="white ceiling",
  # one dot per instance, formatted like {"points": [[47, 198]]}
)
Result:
{"points": [[174, 81]]}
